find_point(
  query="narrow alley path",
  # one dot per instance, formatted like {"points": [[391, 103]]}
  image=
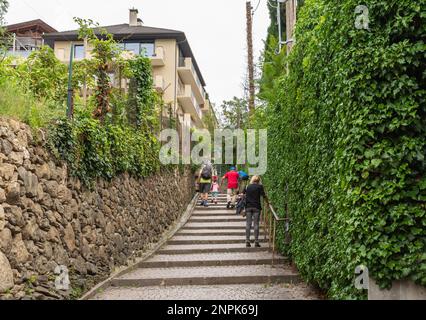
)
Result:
{"points": [[207, 259]]}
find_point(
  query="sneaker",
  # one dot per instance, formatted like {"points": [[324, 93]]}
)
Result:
{"points": [[248, 245], [228, 205], [257, 245], [206, 204]]}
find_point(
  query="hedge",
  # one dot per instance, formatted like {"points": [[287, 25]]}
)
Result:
{"points": [[348, 139]]}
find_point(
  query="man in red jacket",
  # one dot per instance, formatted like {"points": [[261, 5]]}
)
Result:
{"points": [[232, 178]]}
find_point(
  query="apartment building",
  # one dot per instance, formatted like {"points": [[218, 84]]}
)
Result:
{"points": [[176, 73], [27, 37]]}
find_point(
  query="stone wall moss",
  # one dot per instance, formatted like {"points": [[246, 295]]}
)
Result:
{"points": [[49, 218]]}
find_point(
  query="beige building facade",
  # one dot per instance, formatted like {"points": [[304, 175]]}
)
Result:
{"points": [[176, 74]]}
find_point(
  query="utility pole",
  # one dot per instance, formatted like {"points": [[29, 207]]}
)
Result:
{"points": [[291, 7], [70, 102], [250, 56], [280, 36]]}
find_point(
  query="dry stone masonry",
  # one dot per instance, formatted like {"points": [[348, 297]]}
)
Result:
{"points": [[48, 219]]}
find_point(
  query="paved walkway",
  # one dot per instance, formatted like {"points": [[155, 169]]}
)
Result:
{"points": [[207, 259]]}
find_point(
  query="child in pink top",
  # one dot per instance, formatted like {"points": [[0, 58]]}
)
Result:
{"points": [[215, 190]]}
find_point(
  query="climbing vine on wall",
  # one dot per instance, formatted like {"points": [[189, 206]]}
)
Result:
{"points": [[347, 135], [143, 100]]}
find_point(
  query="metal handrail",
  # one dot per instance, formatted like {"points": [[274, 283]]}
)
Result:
{"points": [[272, 229]]}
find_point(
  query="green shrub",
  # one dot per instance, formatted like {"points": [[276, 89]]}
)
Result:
{"points": [[16, 103], [95, 150], [44, 75], [347, 136]]}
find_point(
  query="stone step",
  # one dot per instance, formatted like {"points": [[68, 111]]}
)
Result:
{"points": [[209, 233], [214, 207], [196, 237], [216, 224], [206, 276], [214, 211], [238, 293], [216, 219], [212, 259], [210, 248], [211, 240]]}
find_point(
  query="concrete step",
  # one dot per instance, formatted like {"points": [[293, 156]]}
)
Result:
{"points": [[212, 259], [206, 276], [210, 248]]}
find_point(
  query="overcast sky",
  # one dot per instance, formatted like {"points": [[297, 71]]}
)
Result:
{"points": [[216, 29]]}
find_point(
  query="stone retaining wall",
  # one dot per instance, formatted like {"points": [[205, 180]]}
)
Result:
{"points": [[48, 219]]}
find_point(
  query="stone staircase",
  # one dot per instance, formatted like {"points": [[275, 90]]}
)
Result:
{"points": [[207, 256]]}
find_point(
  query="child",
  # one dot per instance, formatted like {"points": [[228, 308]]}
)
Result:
{"points": [[215, 190]]}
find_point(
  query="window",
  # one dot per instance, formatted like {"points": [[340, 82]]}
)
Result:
{"points": [[181, 58], [145, 48], [78, 51], [132, 47]]}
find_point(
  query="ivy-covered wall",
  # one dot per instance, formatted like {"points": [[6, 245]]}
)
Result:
{"points": [[347, 135]]}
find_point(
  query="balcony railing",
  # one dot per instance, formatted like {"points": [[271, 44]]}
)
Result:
{"points": [[24, 46], [19, 53]]}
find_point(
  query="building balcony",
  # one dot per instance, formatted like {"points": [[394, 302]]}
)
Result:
{"points": [[23, 46], [157, 60], [187, 100], [189, 76], [206, 106], [159, 84]]}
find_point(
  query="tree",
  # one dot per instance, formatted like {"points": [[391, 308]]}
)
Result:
{"points": [[104, 52], [44, 75], [235, 113]]}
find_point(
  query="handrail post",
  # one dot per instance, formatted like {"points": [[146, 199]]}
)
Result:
{"points": [[270, 229], [273, 243], [264, 220]]}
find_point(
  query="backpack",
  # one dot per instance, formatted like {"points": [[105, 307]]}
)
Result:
{"points": [[207, 171], [243, 175], [241, 205]]}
